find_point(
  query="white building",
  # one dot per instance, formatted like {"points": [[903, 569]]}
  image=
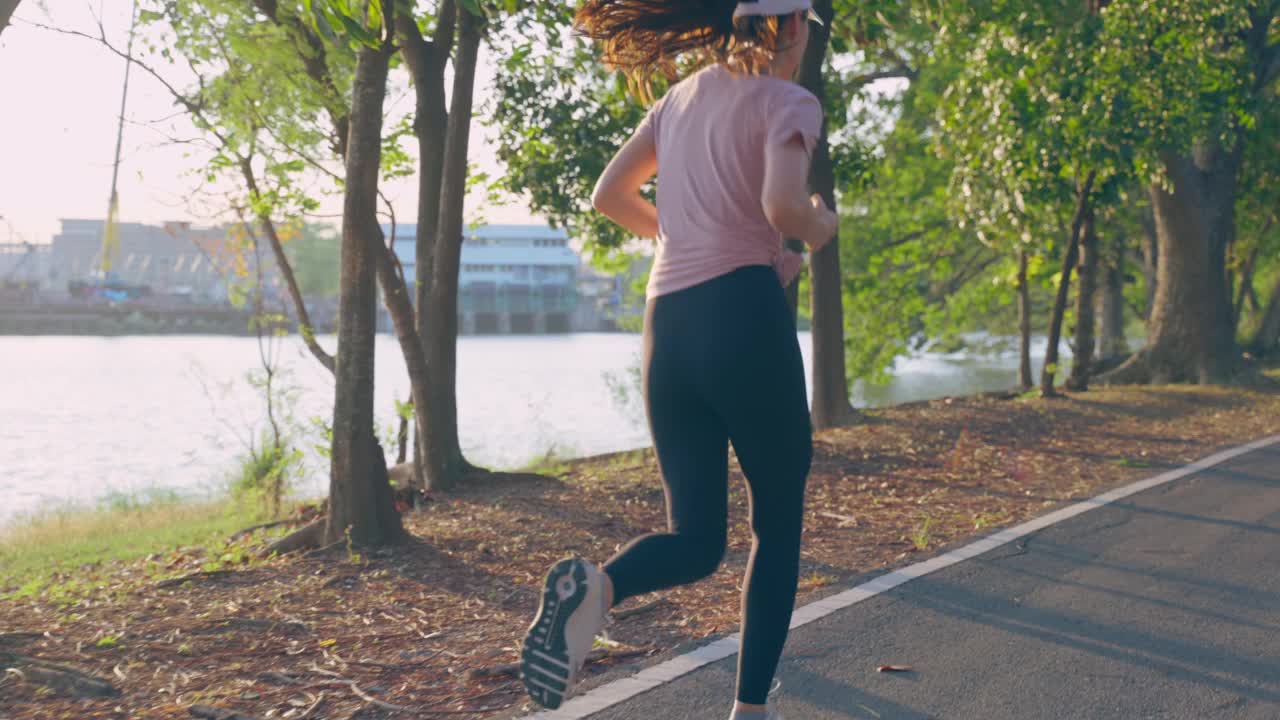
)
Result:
{"points": [[513, 278]]}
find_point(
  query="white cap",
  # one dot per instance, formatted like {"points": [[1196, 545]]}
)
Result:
{"points": [[775, 7]]}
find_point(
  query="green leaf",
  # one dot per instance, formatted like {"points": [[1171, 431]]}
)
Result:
{"points": [[358, 32]]}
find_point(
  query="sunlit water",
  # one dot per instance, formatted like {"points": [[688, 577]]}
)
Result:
{"points": [[82, 418]]}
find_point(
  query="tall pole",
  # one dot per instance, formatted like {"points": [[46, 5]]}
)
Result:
{"points": [[110, 236]]}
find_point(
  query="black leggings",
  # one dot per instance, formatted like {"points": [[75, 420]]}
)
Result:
{"points": [[721, 364]]}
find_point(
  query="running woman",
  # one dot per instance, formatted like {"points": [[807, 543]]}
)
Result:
{"points": [[731, 146]]}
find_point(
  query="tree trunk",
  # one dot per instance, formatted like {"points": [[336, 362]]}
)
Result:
{"points": [[360, 500], [1150, 260], [1024, 325], [1246, 286], [426, 63], [305, 328], [1266, 342], [831, 404], [1190, 336], [1112, 343], [445, 464], [1082, 364], [395, 295], [1049, 373], [6, 11]]}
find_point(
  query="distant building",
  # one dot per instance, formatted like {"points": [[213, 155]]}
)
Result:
{"points": [[24, 264], [513, 278], [175, 259]]}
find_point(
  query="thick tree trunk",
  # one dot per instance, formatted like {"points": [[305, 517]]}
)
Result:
{"points": [[1190, 336], [6, 11], [1266, 342], [1111, 340], [445, 464], [1025, 380], [360, 500], [1049, 373], [305, 328], [831, 404], [1082, 363]]}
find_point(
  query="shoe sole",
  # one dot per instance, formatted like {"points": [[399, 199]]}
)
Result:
{"points": [[545, 666]]}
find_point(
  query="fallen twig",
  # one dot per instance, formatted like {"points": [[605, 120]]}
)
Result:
{"points": [[263, 526], [464, 711], [639, 610], [513, 669], [279, 678], [375, 701], [307, 713], [323, 550], [845, 520], [209, 712], [194, 576]]}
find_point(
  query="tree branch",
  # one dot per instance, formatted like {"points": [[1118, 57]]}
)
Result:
{"points": [[311, 51], [305, 327], [193, 106], [413, 46], [442, 40], [914, 235], [901, 72]]}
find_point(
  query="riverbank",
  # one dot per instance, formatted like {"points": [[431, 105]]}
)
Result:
{"points": [[113, 321], [432, 623]]}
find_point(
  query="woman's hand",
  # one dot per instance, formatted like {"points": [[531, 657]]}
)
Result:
{"points": [[824, 224]]}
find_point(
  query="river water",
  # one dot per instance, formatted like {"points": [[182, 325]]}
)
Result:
{"points": [[87, 418]]}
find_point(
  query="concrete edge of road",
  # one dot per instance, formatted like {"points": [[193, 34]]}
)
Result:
{"points": [[618, 691]]}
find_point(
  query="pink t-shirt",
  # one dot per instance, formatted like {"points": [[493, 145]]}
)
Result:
{"points": [[710, 131]]}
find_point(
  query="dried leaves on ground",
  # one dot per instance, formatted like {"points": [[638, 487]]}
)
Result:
{"points": [[430, 628]]}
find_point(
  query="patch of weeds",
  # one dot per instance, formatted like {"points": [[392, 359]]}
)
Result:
{"points": [[922, 535], [555, 461], [816, 580], [983, 520], [1133, 463], [353, 557]]}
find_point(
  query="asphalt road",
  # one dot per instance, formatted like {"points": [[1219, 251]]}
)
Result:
{"points": [[1163, 605]]}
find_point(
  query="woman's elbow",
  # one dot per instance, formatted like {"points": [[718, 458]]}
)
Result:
{"points": [[778, 212], [602, 197]]}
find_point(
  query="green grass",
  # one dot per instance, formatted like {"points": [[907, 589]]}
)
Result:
{"points": [[555, 461], [121, 529]]}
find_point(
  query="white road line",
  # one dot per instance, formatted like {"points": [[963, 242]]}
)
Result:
{"points": [[619, 691]]}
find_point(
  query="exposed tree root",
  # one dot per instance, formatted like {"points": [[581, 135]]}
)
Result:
{"points": [[57, 677], [1134, 371], [304, 538]]}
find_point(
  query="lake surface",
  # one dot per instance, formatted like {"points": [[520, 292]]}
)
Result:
{"points": [[87, 418]]}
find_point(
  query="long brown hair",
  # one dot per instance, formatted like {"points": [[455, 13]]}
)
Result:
{"points": [[644, 37]]}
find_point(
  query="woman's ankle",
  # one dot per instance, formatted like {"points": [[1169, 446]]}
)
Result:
{"points": [[608, 590]]}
